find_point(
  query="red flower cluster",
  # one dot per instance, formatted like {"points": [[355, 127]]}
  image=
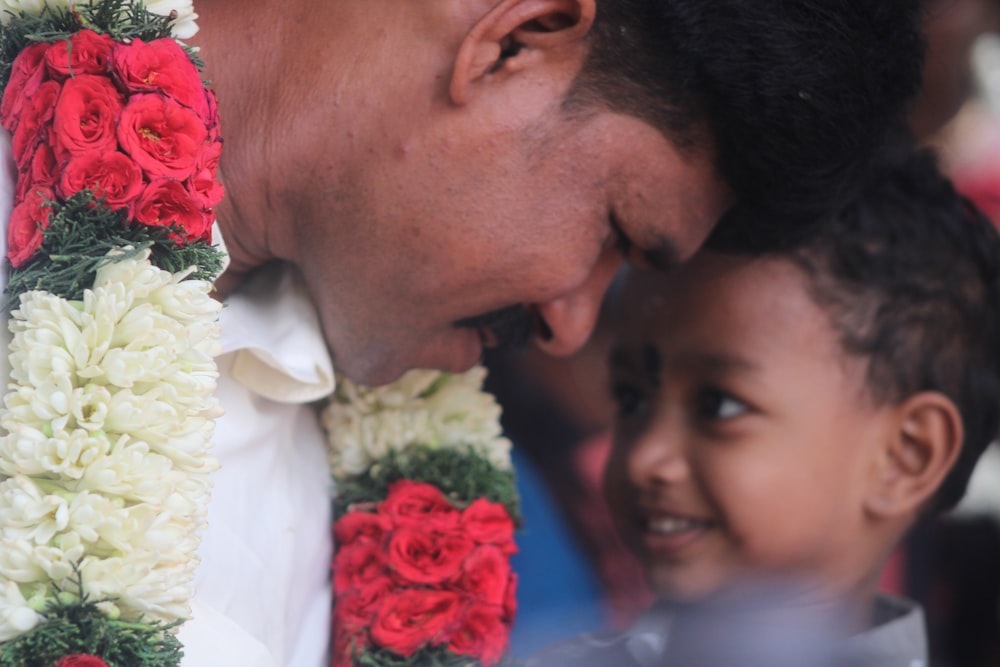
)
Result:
{"points": [[420, 572], [131, 122], [81, 660]]}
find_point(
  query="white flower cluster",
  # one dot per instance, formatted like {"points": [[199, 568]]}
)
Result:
{"points": [[182, 27], [430, 408], [104, 457]]}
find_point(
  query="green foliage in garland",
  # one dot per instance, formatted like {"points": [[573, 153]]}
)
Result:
{"points": [[462, 475], [425, 657], [123, 20], [78, 626], [82, 232]]}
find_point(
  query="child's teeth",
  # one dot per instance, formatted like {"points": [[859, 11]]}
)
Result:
{"points": [[673, 525]]}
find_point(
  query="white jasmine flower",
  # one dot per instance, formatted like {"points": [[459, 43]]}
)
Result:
{"points": [[430, 408], [184, 26], [33, 7], [27, 450], [143, 585], [28, 563], [46, 337], [16, 616], [133, 472], [105, 454], [28, 514]]}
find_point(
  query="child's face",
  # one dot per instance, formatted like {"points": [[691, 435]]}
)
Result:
{"points": [[744, 436]]}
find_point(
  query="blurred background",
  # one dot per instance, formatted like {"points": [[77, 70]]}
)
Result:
{"points": [[576, 576]]}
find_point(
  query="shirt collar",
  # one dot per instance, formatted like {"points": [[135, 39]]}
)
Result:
{"points": [[898, 638], [271, 329]]}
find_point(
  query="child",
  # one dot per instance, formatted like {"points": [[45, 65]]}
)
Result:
{"points": [[787, 416]]}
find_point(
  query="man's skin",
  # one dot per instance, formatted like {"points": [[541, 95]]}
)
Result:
{"points": [[415, 162]]}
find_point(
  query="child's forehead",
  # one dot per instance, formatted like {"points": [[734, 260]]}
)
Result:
{"points": [[710, 276], [720, 297]]}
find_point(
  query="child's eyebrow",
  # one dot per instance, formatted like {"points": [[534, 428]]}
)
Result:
{"points": [[651, 361], [718, 362]]}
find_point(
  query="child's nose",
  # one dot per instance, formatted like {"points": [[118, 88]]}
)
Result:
{"points": [[658, 456]]}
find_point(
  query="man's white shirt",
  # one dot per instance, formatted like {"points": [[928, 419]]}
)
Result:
{"points": [[263, 592]]}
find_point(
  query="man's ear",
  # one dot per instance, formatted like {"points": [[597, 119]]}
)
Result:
{"points": [[926, 440], [513, 32]]}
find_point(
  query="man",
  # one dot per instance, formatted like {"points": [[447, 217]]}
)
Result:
{"points": [[438, 176]]}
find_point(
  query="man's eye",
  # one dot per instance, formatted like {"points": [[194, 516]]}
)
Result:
{"points": [[718, 405], [629, 399]]}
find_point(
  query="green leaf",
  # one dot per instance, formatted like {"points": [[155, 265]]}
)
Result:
{"points": [[463, 475], [76, 244], [74, 625], [123, 20]]}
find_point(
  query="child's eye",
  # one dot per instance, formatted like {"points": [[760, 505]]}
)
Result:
{"points": [[717, 405], [629, 399]]}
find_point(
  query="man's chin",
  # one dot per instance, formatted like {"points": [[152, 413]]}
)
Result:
{"points": [[457, 356]]}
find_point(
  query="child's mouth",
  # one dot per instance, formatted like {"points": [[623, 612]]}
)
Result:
{"points": [[674, 525], [670, 536]]}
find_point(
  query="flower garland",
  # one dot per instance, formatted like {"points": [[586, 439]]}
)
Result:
{"points": [[108, 417], [425, 518]]}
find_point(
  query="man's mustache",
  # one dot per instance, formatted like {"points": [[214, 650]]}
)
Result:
{"points": [[512, 327]]}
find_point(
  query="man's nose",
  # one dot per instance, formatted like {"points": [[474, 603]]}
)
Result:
{"points": [[570, 319]]}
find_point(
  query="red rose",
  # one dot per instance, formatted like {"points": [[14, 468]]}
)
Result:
{"points": [[415, 502], [428, 556], [485, 575], [481, 634], [27, 74], [41, 173], [112, 176], [354, 610], [489, 523], [44, 172], [80, 660], [84, 52], [346, 645], [27, 220], [86, 114], [357, 565], [163, 137], [204, 182], [413, 618], [35, 122], [160, 66], [510, 599], [356, 526], [167, 202]]}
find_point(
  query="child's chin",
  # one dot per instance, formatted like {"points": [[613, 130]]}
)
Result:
{"points": [[685, 585]]}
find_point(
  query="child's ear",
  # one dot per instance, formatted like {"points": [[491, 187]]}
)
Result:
{"points": [[518, 34], [923, 445]]}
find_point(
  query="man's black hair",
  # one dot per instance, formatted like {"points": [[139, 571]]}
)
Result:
{"points": [[793, 97], [909, 274]]}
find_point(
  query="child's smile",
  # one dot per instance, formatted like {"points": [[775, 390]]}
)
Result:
{"points": [[739, 419]]}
